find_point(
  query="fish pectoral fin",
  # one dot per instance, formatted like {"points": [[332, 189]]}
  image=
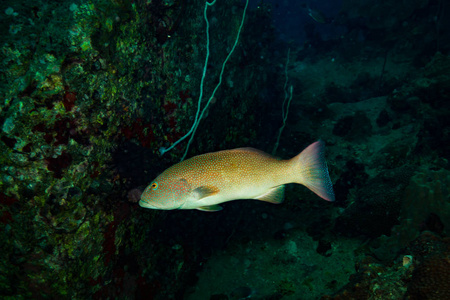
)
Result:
{"points": [[274, 195], [205, 191], [210, 208]]}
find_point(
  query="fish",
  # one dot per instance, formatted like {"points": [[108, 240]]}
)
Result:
{"points": [[315, 14], [207, 180]]}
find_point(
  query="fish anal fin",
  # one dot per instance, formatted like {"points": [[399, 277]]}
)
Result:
{"points": [[274, 195], [205, 191], [210, 208]]}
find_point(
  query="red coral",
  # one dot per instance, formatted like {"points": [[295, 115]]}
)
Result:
{"points": [[95, 171], [5, 200], [172, 122], [93, 282], [109, 245], [169, 108], [6, 217], [69, 100], [184, 95], [62, 131], [140, 130], [94, 174], [39, 127], [431, 280]]}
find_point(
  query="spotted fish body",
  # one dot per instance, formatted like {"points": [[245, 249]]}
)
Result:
{"points": [[204, 181]]}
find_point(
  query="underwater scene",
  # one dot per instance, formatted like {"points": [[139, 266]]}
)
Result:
{"points": [[129, 128]]}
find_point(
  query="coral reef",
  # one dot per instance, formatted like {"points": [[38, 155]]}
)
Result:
{"points": [[431, 277], [78, 81], [421, 274], [425, 206], [381, 197]]}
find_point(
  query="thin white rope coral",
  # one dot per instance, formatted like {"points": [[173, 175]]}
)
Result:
{"points": [[198, 115]]}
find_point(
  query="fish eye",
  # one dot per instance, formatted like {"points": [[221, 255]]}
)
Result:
{"points": [[154, 185]]}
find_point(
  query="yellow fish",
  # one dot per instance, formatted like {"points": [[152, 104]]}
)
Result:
{"points": [[204, 181]]}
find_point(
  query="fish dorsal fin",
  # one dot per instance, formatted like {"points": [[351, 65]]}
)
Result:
{"points": [[210, 208], [205, 191], [250, 149], [274, 195]]}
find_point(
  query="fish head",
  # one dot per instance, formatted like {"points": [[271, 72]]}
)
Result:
{"points": [[166, 193]]}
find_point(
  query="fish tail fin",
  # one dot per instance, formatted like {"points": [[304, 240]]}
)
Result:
{"points": [[311, 170]]}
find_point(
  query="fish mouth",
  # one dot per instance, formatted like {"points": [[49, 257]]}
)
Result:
{"points": [[146, 204]]}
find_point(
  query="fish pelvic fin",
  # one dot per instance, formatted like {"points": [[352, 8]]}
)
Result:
{"points": [[311, 170], [274, 195], [210, 208]]}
